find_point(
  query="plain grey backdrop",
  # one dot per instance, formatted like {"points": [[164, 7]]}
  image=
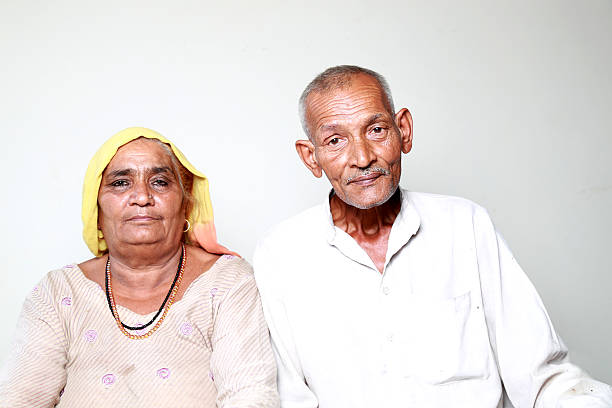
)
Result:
{"points": [[511, 103]]}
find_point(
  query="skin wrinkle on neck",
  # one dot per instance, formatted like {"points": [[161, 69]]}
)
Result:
{"points": [[147, 276], [358, 143], [365, 223]]}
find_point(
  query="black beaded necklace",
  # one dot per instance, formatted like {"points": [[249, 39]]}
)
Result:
{"points": [[110, 306]]}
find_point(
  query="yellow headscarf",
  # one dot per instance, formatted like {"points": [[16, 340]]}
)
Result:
{"points": [[202, 230]]}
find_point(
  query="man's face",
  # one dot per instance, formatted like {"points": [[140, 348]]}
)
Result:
{"points": [[357, 141]]}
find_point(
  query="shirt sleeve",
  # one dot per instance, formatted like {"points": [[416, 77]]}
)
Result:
{"points": [[34, 373], [242, 362], [531, 358], [292, 387]]}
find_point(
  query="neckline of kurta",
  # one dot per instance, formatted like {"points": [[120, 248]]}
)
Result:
{"points": [[99, 289]]}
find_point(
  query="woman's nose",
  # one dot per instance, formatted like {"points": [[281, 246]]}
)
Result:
{"points": [[141, 194]]}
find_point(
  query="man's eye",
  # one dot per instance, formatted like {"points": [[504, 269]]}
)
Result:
{"points": [[377, 129], [334, 141]]}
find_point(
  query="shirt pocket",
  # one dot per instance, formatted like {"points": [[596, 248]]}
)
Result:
{"points": [[444, 341]]}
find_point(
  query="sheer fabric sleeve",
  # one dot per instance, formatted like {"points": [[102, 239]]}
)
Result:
{"points": [[34, 373], [242, 362]]}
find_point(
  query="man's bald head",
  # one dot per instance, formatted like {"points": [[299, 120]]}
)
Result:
{"points": [[340, 77]]}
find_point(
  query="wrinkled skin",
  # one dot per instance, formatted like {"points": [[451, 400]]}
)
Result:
{"points": [[358, 142], [140, 200]]}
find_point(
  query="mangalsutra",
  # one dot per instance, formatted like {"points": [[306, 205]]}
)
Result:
{"points": [[163, 310]]}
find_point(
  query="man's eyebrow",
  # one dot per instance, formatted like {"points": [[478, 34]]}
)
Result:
{"points": [[329, 127], [375, 118], [334, 126]]}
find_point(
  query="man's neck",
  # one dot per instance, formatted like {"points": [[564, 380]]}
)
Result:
{"points": [[368, 222], [370, 227]]}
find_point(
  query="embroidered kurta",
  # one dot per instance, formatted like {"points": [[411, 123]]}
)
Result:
{"points": [[212, 349], [451, 322]]}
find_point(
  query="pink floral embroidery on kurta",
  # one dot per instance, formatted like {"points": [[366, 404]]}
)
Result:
{"points": [[163, 373], [67, 301], [90, 335], [108, 380], [141, 331], [186, 328]]}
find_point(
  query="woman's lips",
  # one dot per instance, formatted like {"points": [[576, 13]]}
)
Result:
{"points": [[142, 218]]}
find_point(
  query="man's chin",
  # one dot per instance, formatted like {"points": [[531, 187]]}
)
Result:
{"points": [[367, 201]]}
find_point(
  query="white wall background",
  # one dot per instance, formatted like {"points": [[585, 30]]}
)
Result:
{"points": [[511, 102]]}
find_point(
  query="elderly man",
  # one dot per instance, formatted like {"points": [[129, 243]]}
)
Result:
{"points": [[381, 297]]}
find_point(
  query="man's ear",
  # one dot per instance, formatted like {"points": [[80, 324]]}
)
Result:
{"points": [[403, 120], [306, 150]]}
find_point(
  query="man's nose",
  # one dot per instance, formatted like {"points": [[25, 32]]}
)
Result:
{"points": [[141, 194], [363, 155]]}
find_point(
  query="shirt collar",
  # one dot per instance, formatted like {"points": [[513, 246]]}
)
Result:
{"points": [[405, 226]]}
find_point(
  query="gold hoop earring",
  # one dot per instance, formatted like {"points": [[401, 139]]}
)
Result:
{"points": [[188, 225]]}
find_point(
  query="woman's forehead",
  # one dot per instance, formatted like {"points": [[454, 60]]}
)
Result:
{"points": [[140, 153]]}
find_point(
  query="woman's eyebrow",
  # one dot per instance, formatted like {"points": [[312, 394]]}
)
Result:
{"points": [[120, 173], [127, 172], [161, 169]]}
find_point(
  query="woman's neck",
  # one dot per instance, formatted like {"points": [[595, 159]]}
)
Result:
{"points": [[141, 268]]}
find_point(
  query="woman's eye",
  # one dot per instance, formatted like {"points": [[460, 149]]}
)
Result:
{"points": [[119, 183], [160, 183]]}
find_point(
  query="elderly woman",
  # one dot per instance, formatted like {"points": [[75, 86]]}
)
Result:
{"points": [[158, 317]]}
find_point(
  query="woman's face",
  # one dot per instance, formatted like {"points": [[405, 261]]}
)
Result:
{"points": [[140, 198]]}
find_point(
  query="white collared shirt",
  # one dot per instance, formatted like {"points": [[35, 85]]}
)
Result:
{"points": [[451, 317]]}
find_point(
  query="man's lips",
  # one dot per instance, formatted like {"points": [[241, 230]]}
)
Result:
{"points": [[365, 179]]}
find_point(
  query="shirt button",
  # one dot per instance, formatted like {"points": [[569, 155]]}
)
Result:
{"points": [[390, 338], [386, 290]]}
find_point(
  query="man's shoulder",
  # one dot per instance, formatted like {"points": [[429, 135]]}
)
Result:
{"points": [[300, 227], [430, 203], [288, 244]]}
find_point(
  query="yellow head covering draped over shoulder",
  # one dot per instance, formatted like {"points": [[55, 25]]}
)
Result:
{"points": [[202, 230]]}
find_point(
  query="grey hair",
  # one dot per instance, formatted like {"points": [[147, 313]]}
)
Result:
{"points": [[339, 77]]}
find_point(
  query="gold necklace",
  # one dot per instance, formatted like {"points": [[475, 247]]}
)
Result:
{"points": [[165, 305]]}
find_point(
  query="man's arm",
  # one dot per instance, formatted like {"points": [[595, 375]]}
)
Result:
{"points": [[292, 387], [531, 358]]}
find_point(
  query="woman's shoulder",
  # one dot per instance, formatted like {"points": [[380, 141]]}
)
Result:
{"points": [[230, 271], [59, 285], [60, 277]]}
